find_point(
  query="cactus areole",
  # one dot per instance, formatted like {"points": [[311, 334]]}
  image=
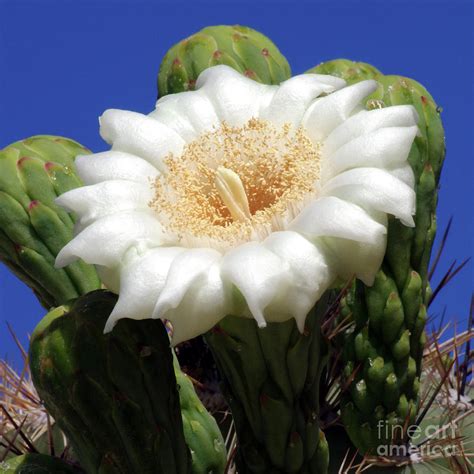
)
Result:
{"points": [[240, 198]]}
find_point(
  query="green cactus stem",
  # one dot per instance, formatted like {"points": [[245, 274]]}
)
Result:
{"points": [[385, 344], [114, 396], [239, 47], [271, 382], [33, 172], [201, 432], [37, 464]]}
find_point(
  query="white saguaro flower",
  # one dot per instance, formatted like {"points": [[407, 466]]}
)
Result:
{"points": [[241, 198]]}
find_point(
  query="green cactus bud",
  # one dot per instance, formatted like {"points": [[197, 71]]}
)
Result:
{"points": [[239, 47], [33, 172], [412, 298], [362, 398], [393, 318], [37, 464], [401, 348], [395, 306], [115, 395], [376, 374], [321, 458], [391, 392], [201, 432]]}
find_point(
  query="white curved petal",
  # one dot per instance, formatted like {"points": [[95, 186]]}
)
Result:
{"points": [[236, 98], [188, 113], [141, 135], [110, 165], [106, 240], [325, 114], [382, 148], [141, 282], [403, 173], [185, 270], [374, 189], [109, 197], [334, 217], [367, 121], [294, 95], [349, 258], [206, 302], [310, 275], [258, 274]]}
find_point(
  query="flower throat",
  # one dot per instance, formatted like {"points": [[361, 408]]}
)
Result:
{"points": [[236, 183]]}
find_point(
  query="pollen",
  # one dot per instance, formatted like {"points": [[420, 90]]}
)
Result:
{"points": [[235, 184]]}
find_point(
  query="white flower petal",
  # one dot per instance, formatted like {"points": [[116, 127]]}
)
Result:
{"points": [[185, 270], [111, 165], [325, 114], [141, 282], [334, 217], [349, 258], [258, 274], [374, 189], [141, 135], [106, 240], [368, 121], [294, 96], [236, 98], [310, 275], [188, 113], [204, 305], [109, 197], [404, 173], [382, 148]]}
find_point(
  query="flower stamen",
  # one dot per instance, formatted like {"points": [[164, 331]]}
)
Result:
{"points": [[235, 184]]}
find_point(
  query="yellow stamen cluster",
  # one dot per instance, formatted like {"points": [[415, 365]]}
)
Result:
{"points": [[277, 166]]}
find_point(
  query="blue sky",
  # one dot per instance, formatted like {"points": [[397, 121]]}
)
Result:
{"points": [[63, 63]]}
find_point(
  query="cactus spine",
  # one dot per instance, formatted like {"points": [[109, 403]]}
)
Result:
{"points": [[33, 172], [239, 47], [385, 345]]}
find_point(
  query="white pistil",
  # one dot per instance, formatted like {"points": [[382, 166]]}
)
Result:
{"points": [[232, 192]]}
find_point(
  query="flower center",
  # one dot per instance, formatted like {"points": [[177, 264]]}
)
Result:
{"points": [[235, 184]]}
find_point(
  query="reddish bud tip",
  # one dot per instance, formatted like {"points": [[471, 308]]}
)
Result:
{"points": [[424, 100], [176, 62], [217, 54], [218, 331], [265, 52], [33, 204], [18, 248], [250, 73], [22, 160], [191, 84], [295, 437], [48, 165], [264, 399]]}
